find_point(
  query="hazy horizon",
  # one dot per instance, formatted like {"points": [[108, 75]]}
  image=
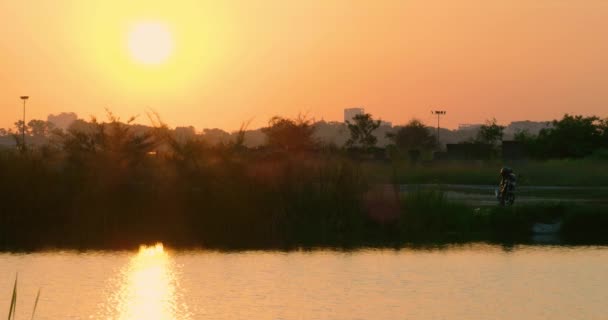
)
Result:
{"points": [[65, 119], [222, 64], [190, 159]]}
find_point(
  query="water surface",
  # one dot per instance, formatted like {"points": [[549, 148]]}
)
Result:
{"points": [[464, 282]]}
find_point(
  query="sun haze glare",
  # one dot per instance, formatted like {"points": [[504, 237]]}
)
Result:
{"points": [[215, 64], [150, 42]]}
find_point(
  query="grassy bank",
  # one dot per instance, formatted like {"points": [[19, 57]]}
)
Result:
{"points": [[580, 172], [220, 199], [429, 216], [223, 198], [107, 186]]}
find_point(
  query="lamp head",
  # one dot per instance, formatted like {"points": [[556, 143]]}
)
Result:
{"points": [[24, 97]]}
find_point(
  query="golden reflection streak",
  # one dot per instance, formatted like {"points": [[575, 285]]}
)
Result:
{"points": [[148, 289]]}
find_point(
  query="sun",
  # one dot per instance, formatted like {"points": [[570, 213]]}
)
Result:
{"points": [[150, 43]]}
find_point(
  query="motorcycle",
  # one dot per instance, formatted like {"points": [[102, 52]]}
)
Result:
{"points": [[505, 194]]}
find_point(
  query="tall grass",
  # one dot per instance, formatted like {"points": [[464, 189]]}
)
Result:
{"points": [[215, 198], [12, 312], [110, 187], [13, 306], [430, 215]]}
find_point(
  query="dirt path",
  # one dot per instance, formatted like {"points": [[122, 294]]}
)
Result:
{"points": [[483, 195]]}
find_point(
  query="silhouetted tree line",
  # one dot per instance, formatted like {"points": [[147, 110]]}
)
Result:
{"points": [[570, 137], [574, 136], [117, 184]]}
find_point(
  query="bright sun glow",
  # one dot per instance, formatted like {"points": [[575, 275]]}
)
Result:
{"points": [[150, 42]]}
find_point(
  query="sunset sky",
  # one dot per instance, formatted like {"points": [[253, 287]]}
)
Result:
{"points": [[220, 63]]}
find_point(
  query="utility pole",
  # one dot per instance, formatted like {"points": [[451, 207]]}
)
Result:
{"points": [[24, 98], [439, 113]]}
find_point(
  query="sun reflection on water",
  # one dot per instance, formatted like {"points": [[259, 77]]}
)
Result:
{"points": [[148, 288]]}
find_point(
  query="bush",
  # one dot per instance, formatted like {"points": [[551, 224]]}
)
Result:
{"points": [[428, 214]]}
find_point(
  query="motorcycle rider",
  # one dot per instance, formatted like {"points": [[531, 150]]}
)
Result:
{"points": [[507, 180]]}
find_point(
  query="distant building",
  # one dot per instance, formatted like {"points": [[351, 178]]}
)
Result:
{"points": [[532, 127], [468, 126], [350, 113], [184, 134], [386, 124]]}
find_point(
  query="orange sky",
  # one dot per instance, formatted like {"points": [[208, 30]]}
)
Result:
{"points": [[239, 60]]}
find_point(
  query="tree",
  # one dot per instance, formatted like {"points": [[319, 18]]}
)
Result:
{"points": [[40, 128], [490, 132], [413, 136], [19, 127], [62, 120], [603, 128], [361, 131], [114, 141], [523, 136], [571, 137], [290, 134]]}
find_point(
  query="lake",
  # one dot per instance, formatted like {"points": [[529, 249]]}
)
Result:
{"points": [[476, 281]]}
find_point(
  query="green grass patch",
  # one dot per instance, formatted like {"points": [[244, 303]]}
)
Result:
{"points": [[581, 172]]}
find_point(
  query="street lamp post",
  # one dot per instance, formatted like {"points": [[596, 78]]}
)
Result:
{"points": [[439, 113], [24, 98]]}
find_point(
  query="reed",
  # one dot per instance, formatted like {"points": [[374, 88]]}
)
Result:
{"points": [[12, 312], [111, 187]]}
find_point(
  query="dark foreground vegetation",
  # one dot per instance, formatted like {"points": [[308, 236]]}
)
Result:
{"points": [[106, 186]]}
